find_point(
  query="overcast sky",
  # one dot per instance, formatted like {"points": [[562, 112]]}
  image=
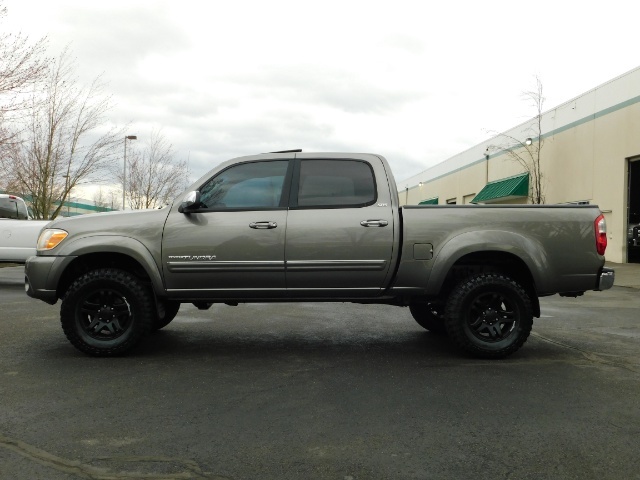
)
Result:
{"points": [[416, 81]]}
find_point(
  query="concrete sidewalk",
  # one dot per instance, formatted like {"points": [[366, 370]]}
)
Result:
{"points": [[10, 274], [627, 274]]}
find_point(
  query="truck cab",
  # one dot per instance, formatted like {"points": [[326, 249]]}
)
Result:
{"points": [[13, 207]]}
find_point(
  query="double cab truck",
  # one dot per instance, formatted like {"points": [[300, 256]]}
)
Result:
{"points": [[316, 227]]}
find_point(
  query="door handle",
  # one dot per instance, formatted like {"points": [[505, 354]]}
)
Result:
{"points": [[374, 223], [263, 225]]}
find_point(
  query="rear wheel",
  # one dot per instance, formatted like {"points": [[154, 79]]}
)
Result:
{"points": [[106, 312], [489, 315], [429, 316]]}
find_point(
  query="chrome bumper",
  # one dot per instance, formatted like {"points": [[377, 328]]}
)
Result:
{"points": [[605, 279]]}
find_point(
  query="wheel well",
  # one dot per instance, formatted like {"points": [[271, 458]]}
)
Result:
{"points": [[93, 261], [496, 262]]}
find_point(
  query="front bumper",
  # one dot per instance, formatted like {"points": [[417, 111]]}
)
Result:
{"points": [[605, 279], [42, 274]]}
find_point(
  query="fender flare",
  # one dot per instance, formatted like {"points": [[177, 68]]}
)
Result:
{"points": [[527, 249], [120, 244]]}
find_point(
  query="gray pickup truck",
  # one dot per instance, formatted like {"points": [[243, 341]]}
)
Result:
{"points": [[293, 226]]}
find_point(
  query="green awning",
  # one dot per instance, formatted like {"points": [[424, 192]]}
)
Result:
{"points": [[429, 201], [505, 189]]}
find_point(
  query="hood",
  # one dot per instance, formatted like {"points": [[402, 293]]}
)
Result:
{"points": [[112, 222]]}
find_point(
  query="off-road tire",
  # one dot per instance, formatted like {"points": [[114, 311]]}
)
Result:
{"points": [[429, 316], [166, 311], [489, 315], [106, 312]]}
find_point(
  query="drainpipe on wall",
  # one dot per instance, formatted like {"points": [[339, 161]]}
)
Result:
{"points": [[486, 158]]}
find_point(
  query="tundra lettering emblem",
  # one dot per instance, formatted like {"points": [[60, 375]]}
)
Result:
{"points": [[191, 258], [383, 205]]}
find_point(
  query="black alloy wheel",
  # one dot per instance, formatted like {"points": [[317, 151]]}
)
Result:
{"points": [[106, 312], [489, 315], [492, 316]]}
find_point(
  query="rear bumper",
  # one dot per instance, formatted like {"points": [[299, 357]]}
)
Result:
{"points": [[605, 279]]}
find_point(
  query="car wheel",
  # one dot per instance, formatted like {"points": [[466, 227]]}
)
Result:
{"points": [[166, 312], [489, 315], [429, 316], [106, 312]]}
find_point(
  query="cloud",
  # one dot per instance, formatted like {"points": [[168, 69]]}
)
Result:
{"points": [[119, 34], [417, 82], [337, 88]]}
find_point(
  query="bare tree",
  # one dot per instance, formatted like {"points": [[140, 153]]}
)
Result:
{"points": [[103, 200], [22, 66], [63, 143], [528, 151], [154, 176]]}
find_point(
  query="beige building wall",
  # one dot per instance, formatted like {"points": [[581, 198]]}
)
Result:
{"points": [[587, 144]]}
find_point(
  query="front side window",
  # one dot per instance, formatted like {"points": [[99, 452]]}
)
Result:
{"points": [[336, 183], [246, 186]]}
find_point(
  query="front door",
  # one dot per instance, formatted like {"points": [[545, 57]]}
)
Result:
{"points": [[233, 244]]}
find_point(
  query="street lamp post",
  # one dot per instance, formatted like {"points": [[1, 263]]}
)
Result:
{"points": [[66, 192], [124, 171]]}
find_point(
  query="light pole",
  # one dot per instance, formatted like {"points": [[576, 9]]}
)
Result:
{"points": [[66, 192], [124, 171]]}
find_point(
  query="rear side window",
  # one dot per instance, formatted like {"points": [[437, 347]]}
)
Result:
{"points": [[13, 208], [246, 186], [22, 210], [336, 183]]}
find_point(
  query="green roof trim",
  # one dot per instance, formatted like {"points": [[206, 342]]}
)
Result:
{"points": [[85, 206], [429, 201], [505, 189], [77, 205]]}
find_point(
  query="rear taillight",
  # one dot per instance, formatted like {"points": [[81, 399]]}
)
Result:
{"points": [[600, 227]]}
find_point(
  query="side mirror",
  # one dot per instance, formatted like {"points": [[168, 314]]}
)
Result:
{"points": [[190, 202]]}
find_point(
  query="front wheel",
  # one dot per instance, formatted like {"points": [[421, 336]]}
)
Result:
{"points": [[166, 312], [489, 315], [106, 312]]}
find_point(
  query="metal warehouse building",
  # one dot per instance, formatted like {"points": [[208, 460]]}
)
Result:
{"points": [[590, 154]]}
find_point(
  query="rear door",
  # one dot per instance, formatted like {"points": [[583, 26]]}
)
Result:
{"points": [[340, 228]]}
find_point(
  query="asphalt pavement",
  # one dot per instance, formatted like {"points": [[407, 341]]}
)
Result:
{"points": [[323, 391]]}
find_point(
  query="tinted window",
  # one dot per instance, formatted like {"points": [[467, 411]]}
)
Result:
{"points": [[22, 210], [13, 208], [329, 183], [247, 186]]}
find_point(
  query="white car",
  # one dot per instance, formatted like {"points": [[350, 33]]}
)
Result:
{"points": [[18, 234]]}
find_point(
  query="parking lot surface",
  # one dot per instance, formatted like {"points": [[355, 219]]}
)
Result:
{"points": [[323, 391]]}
